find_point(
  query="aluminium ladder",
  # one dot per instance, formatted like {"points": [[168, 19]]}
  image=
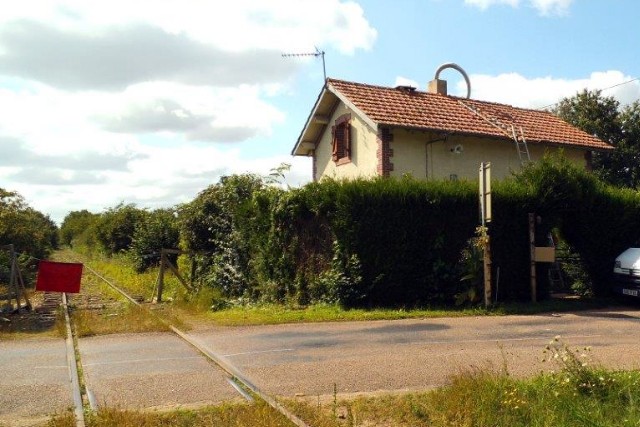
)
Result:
{"points": [[509, 130]]}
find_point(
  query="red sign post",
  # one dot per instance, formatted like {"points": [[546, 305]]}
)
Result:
{"points": [[59, 277]]}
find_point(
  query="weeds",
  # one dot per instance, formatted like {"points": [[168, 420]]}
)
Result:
{"points": [[578, 393], [231, 414]]}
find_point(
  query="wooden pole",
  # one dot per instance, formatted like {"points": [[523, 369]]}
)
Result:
{"points": [[161, 275], [532, 251], [21, 285], [487, 270], [13, 279]]}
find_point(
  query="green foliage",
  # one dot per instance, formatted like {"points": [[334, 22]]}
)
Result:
{"points": [[401, 239], [78, 229], [32, 233], [384, 242], [115, 227], [602, 116], [216, 224], [158, 230], [597, 220], [471, 267]]}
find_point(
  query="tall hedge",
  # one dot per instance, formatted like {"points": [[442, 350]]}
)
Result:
{"points": [[403, 242], [397, 242]]}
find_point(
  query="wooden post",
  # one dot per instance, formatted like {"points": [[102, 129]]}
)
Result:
{"points": [[485, 218], [13, 285], [532, 246], [161, 275], [16, 282], [487, 271]]}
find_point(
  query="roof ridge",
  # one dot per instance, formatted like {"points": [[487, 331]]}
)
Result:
{"points": [[424, 110], [424, 92]]}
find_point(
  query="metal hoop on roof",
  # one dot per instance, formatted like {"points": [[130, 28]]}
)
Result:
{"points": [[459, 69]]}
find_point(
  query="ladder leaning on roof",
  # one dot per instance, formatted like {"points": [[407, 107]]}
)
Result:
{"points": [[509, 130], [521, 145]]}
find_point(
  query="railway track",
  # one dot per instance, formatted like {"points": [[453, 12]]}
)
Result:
{"points": [[83, 397]]}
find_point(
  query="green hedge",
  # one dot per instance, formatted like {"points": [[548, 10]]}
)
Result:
{"points": [[397, 242], [403, 242]]}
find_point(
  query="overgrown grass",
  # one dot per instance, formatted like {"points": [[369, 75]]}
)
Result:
{"points": [[232, 414], [127, 319], [576, 395]]}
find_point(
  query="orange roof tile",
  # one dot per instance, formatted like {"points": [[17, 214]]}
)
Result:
{"points": [[428, 111]]}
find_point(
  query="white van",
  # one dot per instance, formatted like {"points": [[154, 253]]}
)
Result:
{"points": [[626, 273]]}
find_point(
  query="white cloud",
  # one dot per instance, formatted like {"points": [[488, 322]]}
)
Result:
{"points": [[517, 90], [118, 101], [233, 26], [484, 4], [551, 7], [544, 7]]}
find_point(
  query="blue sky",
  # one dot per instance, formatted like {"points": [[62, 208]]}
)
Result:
{"points": [[104, 102]]}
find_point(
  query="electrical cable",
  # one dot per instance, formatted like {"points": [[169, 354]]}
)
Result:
{"points": [[606, 88]]}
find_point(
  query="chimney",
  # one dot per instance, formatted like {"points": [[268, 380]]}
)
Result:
{"points": [[437, 86]]}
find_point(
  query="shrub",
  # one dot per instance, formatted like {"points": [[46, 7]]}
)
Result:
{"points": [[115, 227], [158, 230]]}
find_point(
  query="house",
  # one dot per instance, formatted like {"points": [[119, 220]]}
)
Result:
{"points": [[361, 130]]}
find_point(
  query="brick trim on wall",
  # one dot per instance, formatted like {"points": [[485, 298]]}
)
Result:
{"points": [[315, 166], [384, 152]]}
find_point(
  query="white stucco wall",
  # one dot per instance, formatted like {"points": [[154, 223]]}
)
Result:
{"points": [[364, 147], [413, 154]]}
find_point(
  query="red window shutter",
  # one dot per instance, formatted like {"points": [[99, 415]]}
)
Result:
{"points": [[334, 141], [347, 140]]}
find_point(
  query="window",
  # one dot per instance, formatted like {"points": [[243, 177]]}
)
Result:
{"points": [[341, 135]]}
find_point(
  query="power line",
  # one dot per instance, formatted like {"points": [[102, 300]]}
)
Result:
{"points": [[603, 89]]}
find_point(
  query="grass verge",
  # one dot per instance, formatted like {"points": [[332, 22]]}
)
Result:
{"points": [[197, 308], [483, 398], [232, 414]]}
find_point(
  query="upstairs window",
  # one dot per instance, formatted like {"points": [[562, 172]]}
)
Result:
{"points": [[341, 136]]}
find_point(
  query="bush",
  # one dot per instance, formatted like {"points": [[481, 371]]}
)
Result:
{"points": [[158, 230], [115, 227], [32, 234], [401, 242]]}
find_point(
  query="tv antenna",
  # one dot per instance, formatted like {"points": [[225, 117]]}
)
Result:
{"points": [[317, 53]]}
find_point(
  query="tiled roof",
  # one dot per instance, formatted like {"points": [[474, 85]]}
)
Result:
{"points": [[428, 111]]}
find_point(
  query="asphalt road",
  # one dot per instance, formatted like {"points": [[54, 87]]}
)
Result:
{"points": [[159, 370], [364, 357], [34, 380], [150, 370]]}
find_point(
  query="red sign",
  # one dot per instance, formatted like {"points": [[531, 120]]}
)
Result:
{"points": [[59, 277]]}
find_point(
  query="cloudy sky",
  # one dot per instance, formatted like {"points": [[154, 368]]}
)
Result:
{"points": [[144, 102]]}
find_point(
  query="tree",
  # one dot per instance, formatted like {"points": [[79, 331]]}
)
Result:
{"points": [[116, 226], [602, 117], [214, 222], [32, 233], [158, 230], [75, 227]]}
